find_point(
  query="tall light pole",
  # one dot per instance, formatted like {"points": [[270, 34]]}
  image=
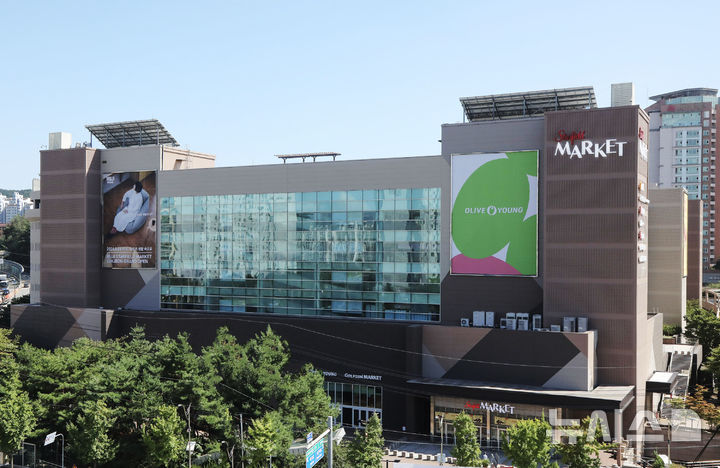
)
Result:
{"points": [[62, 452], [330, 442], [442, 439], [230, 452], [242, 442], [187, 415], [49, 439]]}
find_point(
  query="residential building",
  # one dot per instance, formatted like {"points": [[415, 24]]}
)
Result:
{"points": [[683, 149]]}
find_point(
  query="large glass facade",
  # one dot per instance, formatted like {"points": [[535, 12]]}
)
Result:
{"points": [[359, 253]]}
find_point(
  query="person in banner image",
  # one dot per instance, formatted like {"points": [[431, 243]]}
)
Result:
{"points": [[133, 209]]}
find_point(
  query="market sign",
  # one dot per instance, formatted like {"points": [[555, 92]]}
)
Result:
{"points": [[576, 145], [492, 407]]}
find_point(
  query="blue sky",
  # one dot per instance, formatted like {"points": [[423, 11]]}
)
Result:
{"points": [[247, 80]]}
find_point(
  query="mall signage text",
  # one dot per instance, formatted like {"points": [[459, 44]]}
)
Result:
{"points": [[575, 145], [492, 407]]}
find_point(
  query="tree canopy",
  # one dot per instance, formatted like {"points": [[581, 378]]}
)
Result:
{"points": [[467, 449], [15, 240], [122, 396], [584, 450], [366, 450], [527, 443], [703, 326], [17, 417]]}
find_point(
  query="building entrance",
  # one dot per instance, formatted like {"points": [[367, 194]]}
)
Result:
{"points": [[492, 419]]}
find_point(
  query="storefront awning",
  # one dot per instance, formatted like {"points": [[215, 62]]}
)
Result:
{"points": [[602, 397], [662, 382]]}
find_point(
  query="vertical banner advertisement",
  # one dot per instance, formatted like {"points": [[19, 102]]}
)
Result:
{"points": [[494, 214], [129, 219]]}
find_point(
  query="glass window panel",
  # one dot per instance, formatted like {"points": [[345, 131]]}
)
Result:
{"points": [[354, 205], [387, 194], [370, 205], [225, 249], [402, 194], [419, 193], [370, 194]]}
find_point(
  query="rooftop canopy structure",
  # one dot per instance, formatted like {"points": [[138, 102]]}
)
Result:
{"points": [[132, 133], [304, 156], [686, 93], [530, 104]]}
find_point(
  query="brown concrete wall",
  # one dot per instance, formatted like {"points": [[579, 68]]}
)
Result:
{"points": [[667, 258], [70, 227], [694, 247], [176, 158], [591, 236]]}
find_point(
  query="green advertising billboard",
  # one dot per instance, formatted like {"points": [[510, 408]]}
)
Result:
{"points": [[494, 213]]}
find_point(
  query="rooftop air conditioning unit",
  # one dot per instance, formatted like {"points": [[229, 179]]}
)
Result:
{"points": [[582, 324], [478, 318], [464, 322], [536, 321], [523, 321], [489, 318], [569, 324]]}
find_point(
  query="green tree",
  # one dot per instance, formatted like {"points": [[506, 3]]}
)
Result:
{"points": [[366, 449], [16, 240], [265, 438], [341, 456], [254, 378], [467, 449], [89, 436], [702, 325], [134, 377], [164, 438], [186, 378], [527, 443], [657, 462], [671, 330], [17, 418], [584, 452], [707, 410]]}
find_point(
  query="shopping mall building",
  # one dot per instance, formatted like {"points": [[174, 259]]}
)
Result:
{"points": [[506, 277]]}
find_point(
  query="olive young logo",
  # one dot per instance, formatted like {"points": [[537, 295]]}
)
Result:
{"points": [[566, 146], [494, 214], [492, 210]]}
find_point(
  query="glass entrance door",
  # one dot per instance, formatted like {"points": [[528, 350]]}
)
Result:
{"points": [[360, 416]]}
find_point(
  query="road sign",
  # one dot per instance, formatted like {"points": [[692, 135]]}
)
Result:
{"points": [[315, 453], [309, 437], [190, 447], [50, 438]]}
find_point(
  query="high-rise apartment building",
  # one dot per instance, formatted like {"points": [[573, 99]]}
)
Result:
{"points": [[683, 148]]}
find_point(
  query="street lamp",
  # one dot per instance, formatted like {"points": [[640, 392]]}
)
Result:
{"points": [[50, 438], [230, 452], [442, 439], [190, 446]]}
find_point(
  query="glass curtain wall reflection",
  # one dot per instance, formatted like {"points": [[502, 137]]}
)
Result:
{"points": [[360, 253]]}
